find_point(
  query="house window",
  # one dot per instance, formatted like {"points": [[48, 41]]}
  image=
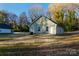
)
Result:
{"points": [[46, 28], [38, 28]]}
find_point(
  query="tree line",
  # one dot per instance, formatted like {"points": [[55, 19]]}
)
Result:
{"points": [[17, 23], [65, 15]]}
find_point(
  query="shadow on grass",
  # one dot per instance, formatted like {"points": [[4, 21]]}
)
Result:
{"points": [[23, 50], [68, 34]]}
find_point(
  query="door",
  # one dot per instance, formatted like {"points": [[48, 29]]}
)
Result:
{"points": [[52, 30]]}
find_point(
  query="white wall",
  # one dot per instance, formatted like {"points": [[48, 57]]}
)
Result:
{"points": [[50, 24], [5, 30], [34, 27], [52, 30], [52, 27]]}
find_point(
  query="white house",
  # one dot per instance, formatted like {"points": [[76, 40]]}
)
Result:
{"points": [[4, 28], [44, 25]]}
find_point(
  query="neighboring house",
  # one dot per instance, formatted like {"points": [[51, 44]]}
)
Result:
{"points": [[44, 25], [4, 28]]}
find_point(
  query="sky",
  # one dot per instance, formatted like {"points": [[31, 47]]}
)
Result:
{"points": [[18, 8]]}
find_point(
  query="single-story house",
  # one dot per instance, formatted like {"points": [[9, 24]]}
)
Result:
{"points": [[44, 25], [5, 28]]}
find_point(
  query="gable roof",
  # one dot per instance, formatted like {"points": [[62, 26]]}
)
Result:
{"points": [[40, 17], [5, 26]]}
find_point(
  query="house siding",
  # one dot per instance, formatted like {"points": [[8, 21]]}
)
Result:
{"points": [[52, 27]]}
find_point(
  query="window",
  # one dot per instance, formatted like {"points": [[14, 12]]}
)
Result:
{"points": [[46, 28], [38, 28]]}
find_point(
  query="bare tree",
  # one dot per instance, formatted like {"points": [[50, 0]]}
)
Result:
{"points": [[13, 21], [35, 12], [23, 22]]}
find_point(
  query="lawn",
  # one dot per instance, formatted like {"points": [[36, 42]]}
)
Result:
{"points": [[34, 45]]}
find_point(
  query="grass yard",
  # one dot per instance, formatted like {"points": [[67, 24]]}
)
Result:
{"points": [[43, 44], [6, 37]]}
